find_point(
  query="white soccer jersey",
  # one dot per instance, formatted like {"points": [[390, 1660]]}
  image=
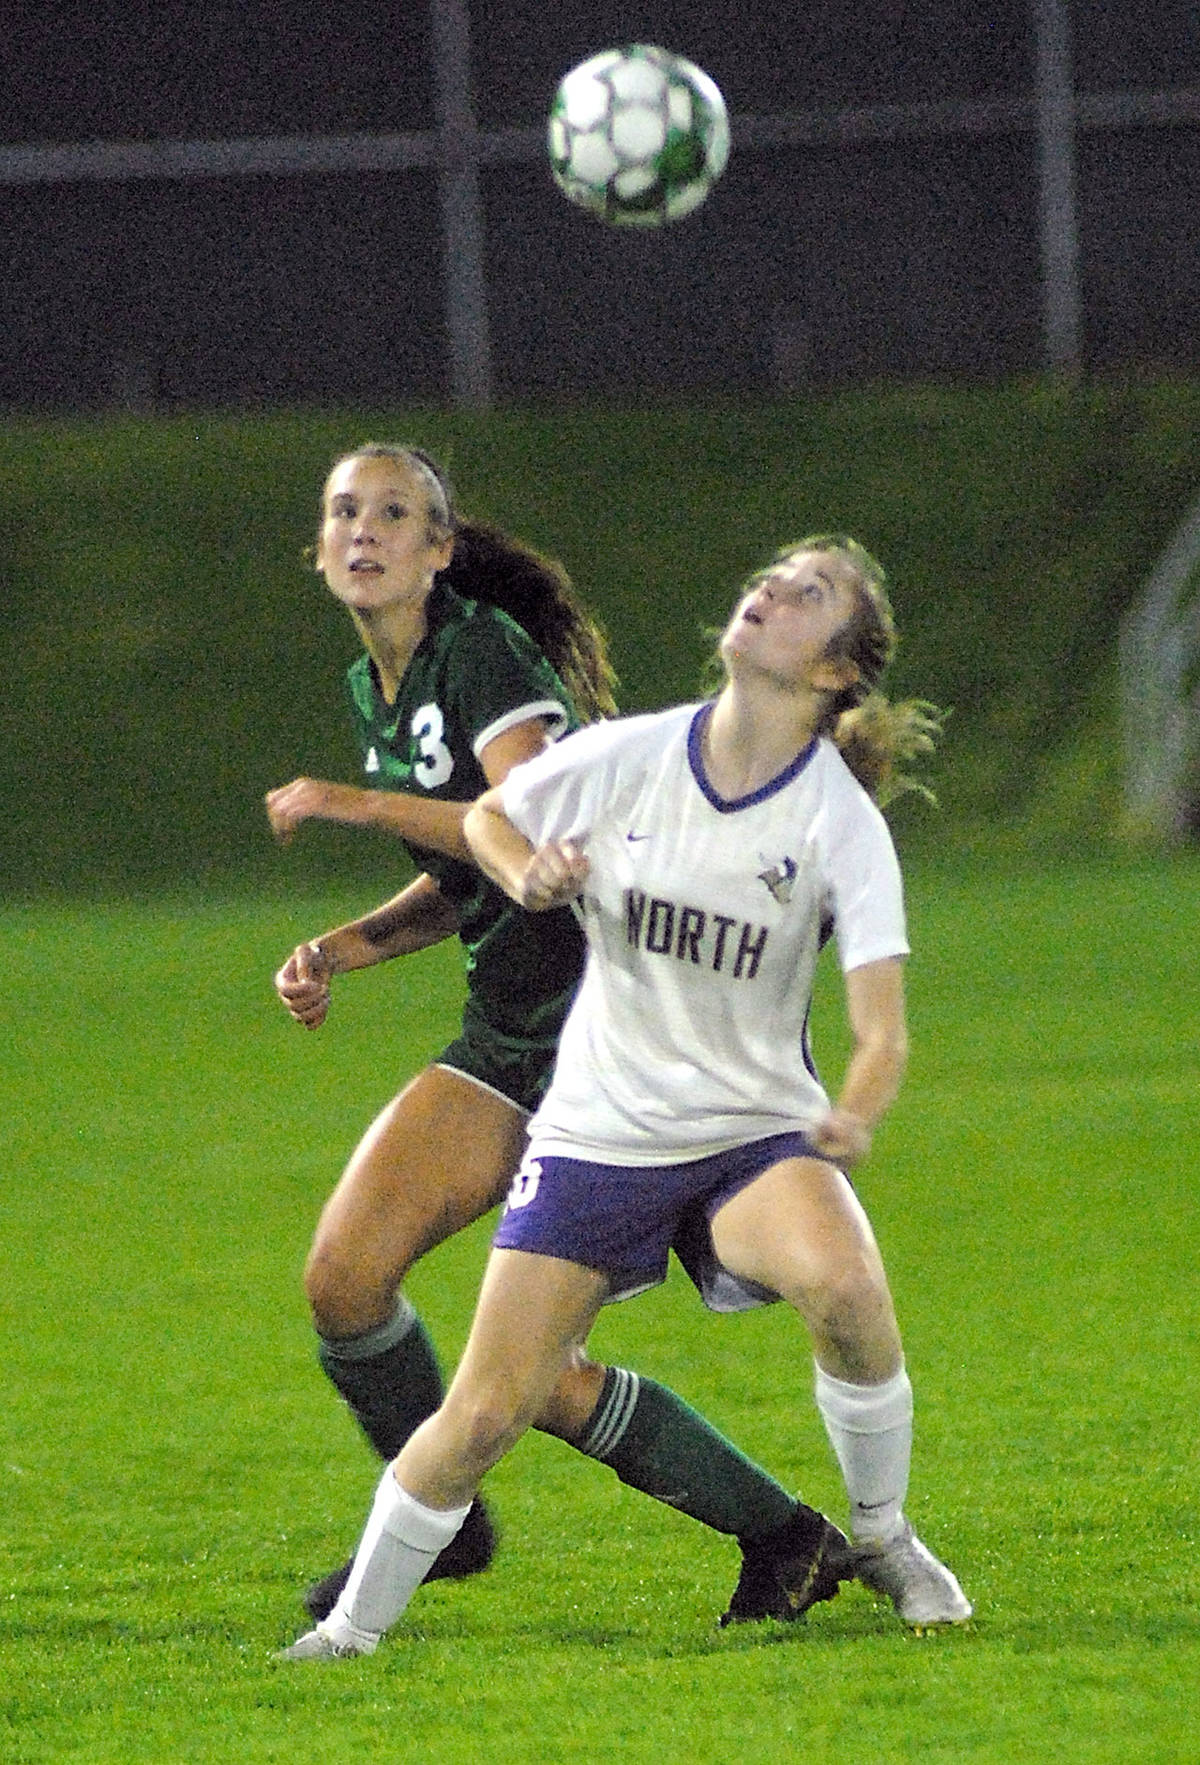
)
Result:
{"points": [[704, 918]]}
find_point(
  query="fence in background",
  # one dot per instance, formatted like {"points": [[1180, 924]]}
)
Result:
{"points": [[456, 151], [1160, 692]]}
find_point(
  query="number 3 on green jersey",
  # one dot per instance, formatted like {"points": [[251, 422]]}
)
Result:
{"points": [[436, 762]]}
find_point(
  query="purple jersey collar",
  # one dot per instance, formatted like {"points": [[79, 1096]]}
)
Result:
{"points": [[727, 805]]}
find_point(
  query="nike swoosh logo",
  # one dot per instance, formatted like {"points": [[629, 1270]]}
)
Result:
{"points": [[632, 837]]}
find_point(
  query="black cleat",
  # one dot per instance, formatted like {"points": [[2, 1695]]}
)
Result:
{"points": [[790, 1569], [468, 1553]]}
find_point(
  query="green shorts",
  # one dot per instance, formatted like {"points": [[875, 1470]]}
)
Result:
{"points": [[518, 1067]]}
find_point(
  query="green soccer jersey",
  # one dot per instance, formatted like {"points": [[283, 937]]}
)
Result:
{"points": [[475, 674]]}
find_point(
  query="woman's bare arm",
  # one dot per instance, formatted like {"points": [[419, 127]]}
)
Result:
{"points": [[549, 876], [428, 822], [875, 1070]]}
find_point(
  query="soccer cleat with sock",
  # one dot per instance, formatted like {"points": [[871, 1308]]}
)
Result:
{"points": [[789, 1570], [923, 1591], [322, 1644], [469, 1553]]}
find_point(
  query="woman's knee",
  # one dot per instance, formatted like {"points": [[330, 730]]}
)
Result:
{"points": [[481, 1426], [848, 1297], [349, 1291], [852, 1322]]}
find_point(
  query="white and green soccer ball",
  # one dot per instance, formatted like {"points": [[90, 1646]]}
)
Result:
{"points": [[638, 136]]}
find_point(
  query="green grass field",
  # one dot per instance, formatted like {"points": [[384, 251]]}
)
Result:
{"points": [[175, 1467]]}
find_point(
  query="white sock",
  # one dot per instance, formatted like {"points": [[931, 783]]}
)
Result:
{"points": [[401, 1540], [870, 1429]]}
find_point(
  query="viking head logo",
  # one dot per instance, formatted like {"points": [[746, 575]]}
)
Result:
{"points": [[780, 879]]}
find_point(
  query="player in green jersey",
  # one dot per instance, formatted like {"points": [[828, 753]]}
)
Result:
{"points": [[451, 693]]}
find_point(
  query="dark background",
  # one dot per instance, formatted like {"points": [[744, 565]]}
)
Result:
{"points": [[810, 265]]}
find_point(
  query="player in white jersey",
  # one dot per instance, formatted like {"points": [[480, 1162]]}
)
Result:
{"points": [[705, 919], [714, 848]]}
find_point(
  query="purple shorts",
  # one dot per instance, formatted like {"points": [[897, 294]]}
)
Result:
{"points": [[624, 1219]]}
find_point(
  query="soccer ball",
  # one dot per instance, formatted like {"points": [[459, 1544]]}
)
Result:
{"points": [[637, 136]]}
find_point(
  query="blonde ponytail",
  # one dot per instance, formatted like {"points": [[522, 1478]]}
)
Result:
{"points": [[878, 737]]}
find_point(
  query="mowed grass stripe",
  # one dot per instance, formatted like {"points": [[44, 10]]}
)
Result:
{"points": [[175, 1467]]}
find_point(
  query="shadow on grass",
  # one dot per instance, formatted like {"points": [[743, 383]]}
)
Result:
{"points": [[652, 1632], [672, 1639]]}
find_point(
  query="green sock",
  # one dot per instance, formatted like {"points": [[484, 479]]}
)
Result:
{"points": [[390, 1377], [657, 1443]]}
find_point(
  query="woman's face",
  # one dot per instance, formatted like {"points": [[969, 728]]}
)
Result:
{"points": [[375, 548], [783, 625]]}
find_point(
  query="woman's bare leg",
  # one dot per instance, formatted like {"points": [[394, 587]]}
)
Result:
{"points": [[532, 1311], [800, 1229]]}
